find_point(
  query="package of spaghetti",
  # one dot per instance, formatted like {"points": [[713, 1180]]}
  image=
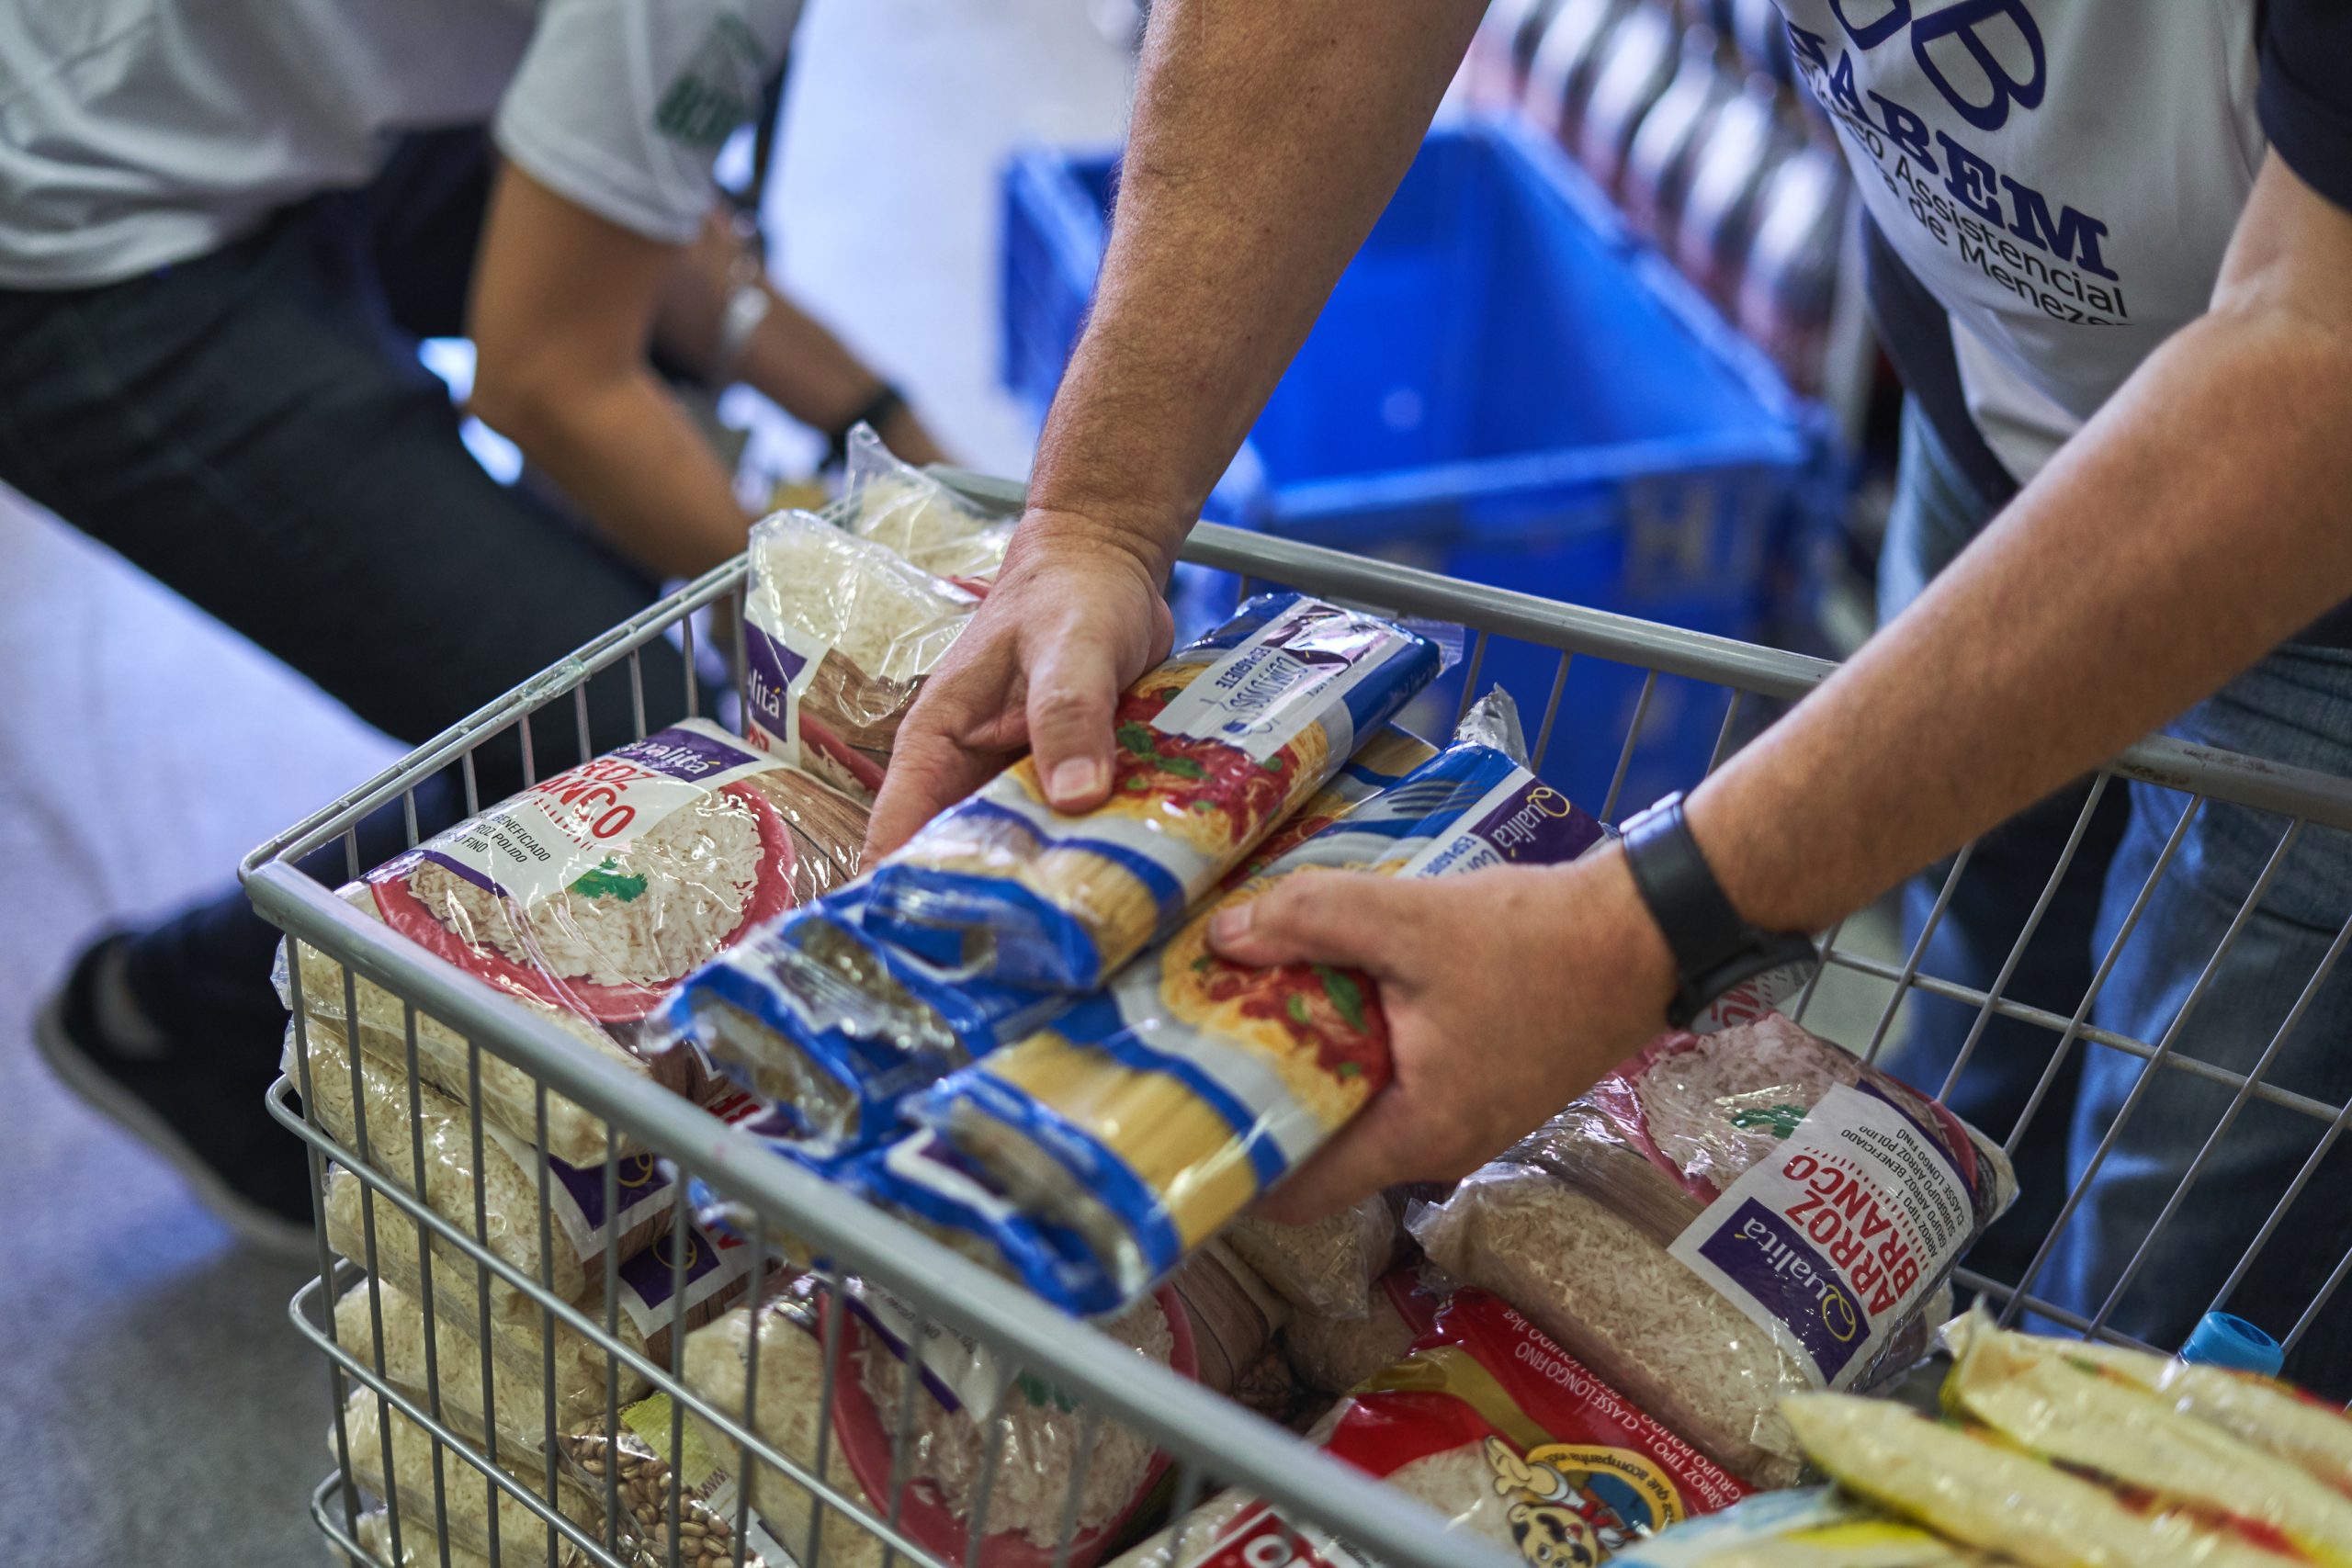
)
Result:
{"points": [[2276, 1418], [840, 633], [837, 1026], [1974, 1488], [2037, 1395], [1213, 749], [1726, 1219], [1816, 1528], [1493, 1425], [896, 503], [1146, 1119], [586, 898]]}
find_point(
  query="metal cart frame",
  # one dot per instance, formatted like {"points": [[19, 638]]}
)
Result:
{"points": [[1210, 1438]]}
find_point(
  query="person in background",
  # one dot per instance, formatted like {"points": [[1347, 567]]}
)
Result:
{"points": [[2112, 253], [223, 230]]}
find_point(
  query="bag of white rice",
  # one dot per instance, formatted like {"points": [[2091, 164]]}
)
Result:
{"points": [[1326, 1269], [468, 1496], [717, 1274], [579, 1229], [839, 634], [1146, 1120], [1215, 748], [586, 897], [420, 1548], [1981, 1491], [925, 523], [1494, 1426], [400, 1356], [1332, 1355], [960, 1397], [1817, 1528], [2039, 1396], [837, 1026], [1726, 1219]]}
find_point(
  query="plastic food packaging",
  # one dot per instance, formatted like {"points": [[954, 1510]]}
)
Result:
{"points": [[1497, 1427], [1332, 1355], [1213, 749], [1147, 1119], [510, 1184], [1326, 1269], [1987, 1495], [1726, 1219], [1037, 1428], [457, 1363], [1232, 1316], [586, 898], [420, 1548], [1817, 1528], [839, 634], [837, 1026], [923, 521], [635, 1463], [468, 1495], [717, 1274], [2032, 1392]]}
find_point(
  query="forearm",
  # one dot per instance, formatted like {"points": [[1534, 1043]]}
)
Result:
{"points": [[2204, 516], [1266, 141], [624, 450], [791, 358]]}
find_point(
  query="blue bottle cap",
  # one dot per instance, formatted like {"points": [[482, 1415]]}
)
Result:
{"points": [[2223, 1339]]}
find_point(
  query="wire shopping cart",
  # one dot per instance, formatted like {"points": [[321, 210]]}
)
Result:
{"points": [[1212, 1441]]}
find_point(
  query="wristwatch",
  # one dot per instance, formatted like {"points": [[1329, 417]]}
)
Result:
{"points": [[1714, 949]]}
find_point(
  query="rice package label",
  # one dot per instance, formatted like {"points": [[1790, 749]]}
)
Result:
{"points": [[1497, 1427], [1147, 1118], [1214, 749]]}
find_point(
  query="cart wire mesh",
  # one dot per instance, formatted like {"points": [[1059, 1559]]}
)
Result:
{"points": [[473, 1459]]}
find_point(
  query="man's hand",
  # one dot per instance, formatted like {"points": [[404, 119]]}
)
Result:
{"points": [[1073, 617], [1508, 993]]}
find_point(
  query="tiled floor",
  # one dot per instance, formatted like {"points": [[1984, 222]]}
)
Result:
{"points": [[155, 1407]]}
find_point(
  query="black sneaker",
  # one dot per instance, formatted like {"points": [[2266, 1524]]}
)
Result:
{"points": [[175, 1096]]}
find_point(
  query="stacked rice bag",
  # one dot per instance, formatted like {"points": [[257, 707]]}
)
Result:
{"points": [[1214, 749], [1147, 1117], [1728, 1219], [1490, 1423], [919, 519]]}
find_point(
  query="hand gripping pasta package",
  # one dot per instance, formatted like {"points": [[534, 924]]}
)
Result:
{"points": [[1726, 1219], [1213, 749], [1973, 1487], [1497, 1427], [839, 634], [1038, 1433], [1817, 1528], [586, 898], [923, 521], [2036, 1394], [1149, 1117], [837, 1026]]}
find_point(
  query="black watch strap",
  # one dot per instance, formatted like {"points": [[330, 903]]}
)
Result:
{"points": [[1714, 949]]}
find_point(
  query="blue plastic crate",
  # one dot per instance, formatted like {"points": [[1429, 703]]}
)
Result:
{"points": [[1507, 386]]}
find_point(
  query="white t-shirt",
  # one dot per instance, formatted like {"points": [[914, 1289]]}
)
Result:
{"points": [[135, 133], [2061, 178]]}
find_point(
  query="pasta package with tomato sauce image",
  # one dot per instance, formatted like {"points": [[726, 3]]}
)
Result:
{"points": [[1213, 750], [1147, 1118], [586, 897], [837, 1026], [1818, 1527], [1494, 1425]]}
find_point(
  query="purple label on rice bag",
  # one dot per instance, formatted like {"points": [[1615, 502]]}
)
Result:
{"points": [[1778, 1270], [769, 671], [688, 754], [1538, 826], [636, 1179]]}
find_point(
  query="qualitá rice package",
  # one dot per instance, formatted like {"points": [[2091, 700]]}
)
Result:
{"points": [[1213, 749], [1492, 1424], [586, 897], [839, 634], [1726, 1219], [919, 519], [837, 1026], [1146, 1119]]}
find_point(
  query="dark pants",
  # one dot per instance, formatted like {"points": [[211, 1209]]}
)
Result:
{"points": [[253, 429]]}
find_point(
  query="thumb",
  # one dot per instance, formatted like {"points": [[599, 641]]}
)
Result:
{"points": [[1073, 691], [1348, 918]]}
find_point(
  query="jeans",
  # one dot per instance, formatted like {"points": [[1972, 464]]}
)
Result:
{"points": [[2295, 707], [253, 429]]}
